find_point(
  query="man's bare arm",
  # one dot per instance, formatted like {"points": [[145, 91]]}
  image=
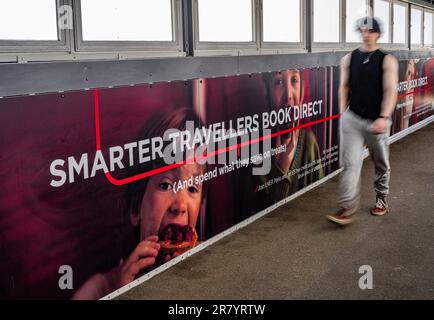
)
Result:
{"points": [[390, 84], [344, 86]]}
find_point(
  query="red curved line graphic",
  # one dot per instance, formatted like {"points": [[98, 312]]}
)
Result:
{"points": [[120, 182]]}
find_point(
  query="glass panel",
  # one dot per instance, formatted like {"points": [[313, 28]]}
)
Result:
{"points": [[326, 21], [28, 20], [356, 9], [399, 24], [428, 41], [225, 20], [416, 26], [282, 20], [382, 11], [126, 20]]}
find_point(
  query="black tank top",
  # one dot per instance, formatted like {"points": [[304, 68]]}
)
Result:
{"points": [[366, 83]]}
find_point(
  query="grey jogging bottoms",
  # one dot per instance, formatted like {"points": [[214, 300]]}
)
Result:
{"points": [[356, 132]]}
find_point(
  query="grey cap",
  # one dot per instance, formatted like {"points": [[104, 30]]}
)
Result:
{"points": [[372, 23]]}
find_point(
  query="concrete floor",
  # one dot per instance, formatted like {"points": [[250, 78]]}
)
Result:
{"points": [[294, 253]]}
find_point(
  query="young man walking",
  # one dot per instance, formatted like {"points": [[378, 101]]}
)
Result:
{"points": [[368, 94]]}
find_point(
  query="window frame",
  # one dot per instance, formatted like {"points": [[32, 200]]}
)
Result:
{"points": [[185, 33], [152, 47], [63, 44]]}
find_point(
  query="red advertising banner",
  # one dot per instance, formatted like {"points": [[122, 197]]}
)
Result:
{"points": [[102, 186], [415, 93]]}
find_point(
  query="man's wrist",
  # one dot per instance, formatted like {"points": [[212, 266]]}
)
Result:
{"points": [[384, 117]]}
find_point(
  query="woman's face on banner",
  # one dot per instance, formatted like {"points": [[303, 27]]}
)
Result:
{"points": [[163, 205], [285, 89]]}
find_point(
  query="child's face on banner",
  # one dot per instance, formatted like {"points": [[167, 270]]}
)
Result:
{"points": [[162, 206], [410, 70], [410, 74], [285, 89]]}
